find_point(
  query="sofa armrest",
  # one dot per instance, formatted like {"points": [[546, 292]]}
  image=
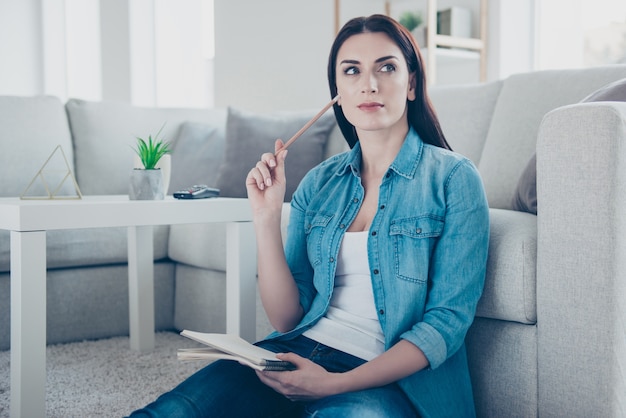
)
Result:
{"points": [[581, 260]]}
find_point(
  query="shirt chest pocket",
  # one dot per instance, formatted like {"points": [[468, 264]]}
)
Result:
{"points": [[315, 226], [413, 242]]}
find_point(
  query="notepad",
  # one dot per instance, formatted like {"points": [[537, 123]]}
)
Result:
{"points": [[232, 347]]}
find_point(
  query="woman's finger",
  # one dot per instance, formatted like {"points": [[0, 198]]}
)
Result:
{"points": [[265, 171], [255, 178], [269, 159]]}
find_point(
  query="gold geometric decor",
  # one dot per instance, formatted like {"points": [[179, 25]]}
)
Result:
{"points": [[54, 180]]}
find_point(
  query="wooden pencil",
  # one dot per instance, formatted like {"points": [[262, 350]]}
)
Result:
{"points": [[308, 124]]}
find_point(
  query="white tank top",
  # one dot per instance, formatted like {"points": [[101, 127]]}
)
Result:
{"points": [[351, 322]]}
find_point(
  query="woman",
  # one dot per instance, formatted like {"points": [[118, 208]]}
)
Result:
{"points": [[385, 259]]}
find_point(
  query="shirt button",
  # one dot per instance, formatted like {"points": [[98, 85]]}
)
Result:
{"points": [[418, 230], [388, 175], [374, 233], [332, 260], [342, 226], [382, 207], [355, 200], [375, 271], [381, 311]]}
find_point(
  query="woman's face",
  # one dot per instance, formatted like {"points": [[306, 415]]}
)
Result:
{"points": [[373, 82]]}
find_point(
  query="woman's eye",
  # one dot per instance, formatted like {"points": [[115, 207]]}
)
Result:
{"points": [[351, 71], [388, 68]]}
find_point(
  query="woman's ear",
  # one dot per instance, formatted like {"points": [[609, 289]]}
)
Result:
{"points": [[412, 87]]}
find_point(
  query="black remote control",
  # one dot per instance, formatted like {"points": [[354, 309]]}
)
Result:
{"points": [[197, 191]]}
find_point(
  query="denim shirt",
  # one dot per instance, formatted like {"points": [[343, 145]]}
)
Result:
{"points": [[427, 253]]}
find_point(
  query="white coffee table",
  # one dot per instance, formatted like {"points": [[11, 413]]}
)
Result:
{"points": [[28, 221]]}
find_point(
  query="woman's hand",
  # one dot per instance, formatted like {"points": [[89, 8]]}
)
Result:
{"points": [[266, 182], [309, 382]]}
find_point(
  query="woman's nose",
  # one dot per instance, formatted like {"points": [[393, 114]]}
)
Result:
{"points": [[370, 85]]}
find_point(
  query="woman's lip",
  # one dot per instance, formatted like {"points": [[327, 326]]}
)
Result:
{"points": [[370, 106]]}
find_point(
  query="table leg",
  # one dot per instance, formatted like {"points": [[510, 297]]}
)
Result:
{"points": [[241, 280], [28, 324], [141, 287]]}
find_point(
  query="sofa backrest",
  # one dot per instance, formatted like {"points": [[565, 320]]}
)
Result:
{"points": [[465, 112], [523, 101], [30, 130], [336, 143], [104, 135]]}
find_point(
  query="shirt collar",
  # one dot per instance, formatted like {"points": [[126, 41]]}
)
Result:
{"points": [[405, 164]]}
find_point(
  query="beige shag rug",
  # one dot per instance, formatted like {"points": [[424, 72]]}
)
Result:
{"points": [[105, 378]]}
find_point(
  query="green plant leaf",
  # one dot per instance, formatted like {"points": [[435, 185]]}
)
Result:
{"points": [[410, 20], [152, 151]]}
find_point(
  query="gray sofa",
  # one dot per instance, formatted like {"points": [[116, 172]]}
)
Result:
{"points": [[550, 334]]}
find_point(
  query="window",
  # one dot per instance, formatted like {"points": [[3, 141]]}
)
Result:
{"points": [[146, 52], [604, 32], [580, 33]]}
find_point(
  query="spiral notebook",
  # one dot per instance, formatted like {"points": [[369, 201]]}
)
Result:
{"points": [[232, 347]]}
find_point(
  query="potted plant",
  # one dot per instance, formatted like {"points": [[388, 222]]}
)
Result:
{"points": [[146, 181], [413, 22], [410, 20]]}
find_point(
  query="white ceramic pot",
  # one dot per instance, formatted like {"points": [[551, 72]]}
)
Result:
{"points": [[165, 164], [146, 184]]}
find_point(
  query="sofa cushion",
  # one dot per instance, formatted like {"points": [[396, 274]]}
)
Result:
{"points": [[104, 136], [199, 245], [91, 303], [511, 281], [465, 112], [248, 135], [30, 130], [510, 284], [86, 247], [197, 153], [525, 196], [523, 101], [204, 245]]}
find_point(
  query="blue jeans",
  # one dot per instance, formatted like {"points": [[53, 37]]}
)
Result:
{"points": [[228, 389]]}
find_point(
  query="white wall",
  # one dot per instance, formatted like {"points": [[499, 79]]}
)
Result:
{"points": [[180, 61], [54, 66], [510, 37], [143, 53], [272, 54], [114, 52], [20, 47], [85, 74]]}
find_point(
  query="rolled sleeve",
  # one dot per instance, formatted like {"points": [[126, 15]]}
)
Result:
{"points": [[430, 341]]}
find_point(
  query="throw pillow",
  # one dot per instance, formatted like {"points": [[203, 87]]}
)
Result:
{"points": [[248, 135], [525, 196], [197, 153]]}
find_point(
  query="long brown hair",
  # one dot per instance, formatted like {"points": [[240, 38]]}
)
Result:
{"points": [[421, 113]]}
